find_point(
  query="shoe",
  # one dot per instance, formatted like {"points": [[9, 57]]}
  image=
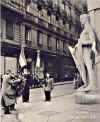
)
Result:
{"points": [[7, 112]]}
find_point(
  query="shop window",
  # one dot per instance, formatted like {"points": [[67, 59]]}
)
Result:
{"points": [[61, 46], [9, 30], [39, 38], [8, 63]]}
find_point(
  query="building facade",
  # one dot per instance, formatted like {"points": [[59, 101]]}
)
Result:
{"points": [[45, 25]]}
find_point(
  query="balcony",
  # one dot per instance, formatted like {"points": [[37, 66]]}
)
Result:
{"points": [[51, 27], [15, 5], [31, 18], [42, 23]]}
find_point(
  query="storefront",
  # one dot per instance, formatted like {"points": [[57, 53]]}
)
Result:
{"points": [[9, 57], [8, 63], [58, 66]]}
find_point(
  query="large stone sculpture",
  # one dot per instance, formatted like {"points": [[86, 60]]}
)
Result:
{"points": [[93, 95], [83, 52]]}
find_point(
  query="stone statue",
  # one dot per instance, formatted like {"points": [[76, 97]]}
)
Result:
{"points": [[86, 46], [84, 58], [85, 55], [94, 13]]}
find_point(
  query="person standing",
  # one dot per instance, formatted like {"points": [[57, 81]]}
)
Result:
{"points": [[26, 91], [48, 86], [8, 94]]}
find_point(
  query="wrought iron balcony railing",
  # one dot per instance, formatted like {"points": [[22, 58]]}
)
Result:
{"points": [[15, 5]]}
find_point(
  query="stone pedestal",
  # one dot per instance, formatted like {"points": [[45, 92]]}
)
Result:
{"points": [[92, 97], [86, 98]]}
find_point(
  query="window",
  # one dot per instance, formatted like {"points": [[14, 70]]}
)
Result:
{"points": [[28, 33], [67, 10], [53, 19], [49, 42], [57, 44], [64, 21], [66, 49], [9, 30], [39, 38], [57, 17]]}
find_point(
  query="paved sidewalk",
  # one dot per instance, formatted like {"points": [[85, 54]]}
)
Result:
{"points": [[62, 108]]}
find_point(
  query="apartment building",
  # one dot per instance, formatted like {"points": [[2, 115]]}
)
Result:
{"points": [[45, 25]]}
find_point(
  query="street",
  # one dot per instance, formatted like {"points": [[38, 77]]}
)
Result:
{"points": [[61, 108]]}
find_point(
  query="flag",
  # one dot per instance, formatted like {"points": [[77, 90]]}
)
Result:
{"points": [[38, 60], [22, 59], [73, 53]]}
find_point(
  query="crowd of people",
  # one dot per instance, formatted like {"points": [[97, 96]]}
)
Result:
{"points": [[14, 86]]}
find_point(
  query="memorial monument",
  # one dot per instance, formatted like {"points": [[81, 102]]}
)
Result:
{"points": [[88, 50]]}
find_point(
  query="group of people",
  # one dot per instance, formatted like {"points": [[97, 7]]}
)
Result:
{"points": [[36, 82], [14, 86]]}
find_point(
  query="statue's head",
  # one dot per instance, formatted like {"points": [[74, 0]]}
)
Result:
{"points": [[84, 18]]}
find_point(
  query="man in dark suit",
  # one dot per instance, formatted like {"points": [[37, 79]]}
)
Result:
{"points": [[48, 86]]}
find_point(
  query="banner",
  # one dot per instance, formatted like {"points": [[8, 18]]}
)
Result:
{"points": [[22, 59], [38, 59]]}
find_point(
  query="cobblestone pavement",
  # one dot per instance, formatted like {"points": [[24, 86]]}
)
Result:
{"points": [[62, 108]]}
